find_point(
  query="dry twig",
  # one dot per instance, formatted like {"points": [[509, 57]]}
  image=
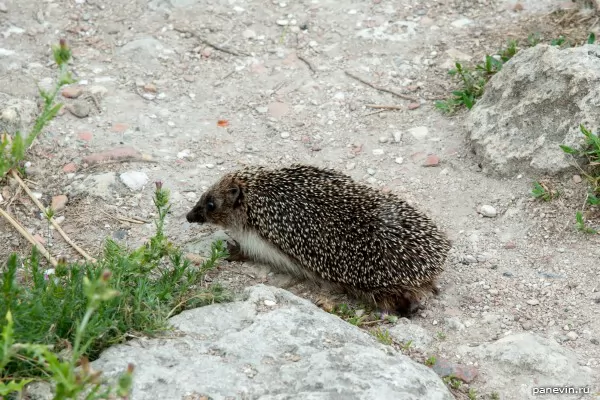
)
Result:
{"points": [[52, 221], [211, 44], [308, 63], [29, 237], [381, 89], [384, 107]]}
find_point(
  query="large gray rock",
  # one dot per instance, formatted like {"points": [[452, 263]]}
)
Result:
{"points": [[532, 106], [16, 115], [516, 364], [273, 345]]}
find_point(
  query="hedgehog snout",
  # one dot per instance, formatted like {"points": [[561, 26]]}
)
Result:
{"points": [[195, 215]]}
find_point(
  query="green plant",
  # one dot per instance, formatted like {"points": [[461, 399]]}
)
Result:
{"points": [[581, 225], [70, 381], [472, 394], [13, 148], [154, 281], [406, 345], [441, 335], [495, 396], [383, 335], [591, 38], [472, 81], [430, 361], [472, 88], [541, 191], [453, 382], [591, 152]]}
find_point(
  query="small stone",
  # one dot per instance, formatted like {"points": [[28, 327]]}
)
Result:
{"points": [[572, 335], [270, 303], [397, 137], [278, 109], [150, 87], [350, 165], [462, 22], [116, 154], [283, 22], [510, 245], [383, 139], [119, 127], [432, 161], [70, 168], [494, 292], [398, 160], [59, 202], [3, 7], [576, 178], [195, 258], [249, 34], [39, 239], [488, 211], [444, 368], [370, 171], [533, 302], [526, 325], [378, 152], [183, 154], [419, 132], [134, 180], [413, 106], [85, 136], [72, 92], [285, 135], [59, 220], [469, 259], [80, 109]]}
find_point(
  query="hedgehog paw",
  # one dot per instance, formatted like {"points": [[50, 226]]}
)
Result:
{"points": [[235, 252], [408, 307]]}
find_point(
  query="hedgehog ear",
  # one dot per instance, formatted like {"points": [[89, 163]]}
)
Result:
{"points": [[234, 194]]}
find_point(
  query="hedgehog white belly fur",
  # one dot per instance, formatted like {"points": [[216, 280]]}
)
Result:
{"points": [[320, 224]]}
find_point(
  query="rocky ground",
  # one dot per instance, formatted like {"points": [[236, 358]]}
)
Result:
{"points": [[181, 91]]}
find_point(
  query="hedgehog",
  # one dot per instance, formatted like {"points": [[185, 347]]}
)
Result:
{"points": [[320, 225]]}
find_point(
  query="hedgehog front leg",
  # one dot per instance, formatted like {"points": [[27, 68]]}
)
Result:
{"points": [[235, 252]]}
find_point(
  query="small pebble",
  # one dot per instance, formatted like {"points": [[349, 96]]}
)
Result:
{"points": [[270, 303], [533, 302], [378, 152], [383, 139], [432, 161], [3, 7], [576, 178], [572, 335], [285, 135], [399, 160], [488, 211]]}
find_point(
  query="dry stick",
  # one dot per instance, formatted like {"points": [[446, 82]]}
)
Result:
{"points": [[56, 226], [211, 44], [28, 236], [385, 107], [124, 219], [401, 95], [308, 63]]}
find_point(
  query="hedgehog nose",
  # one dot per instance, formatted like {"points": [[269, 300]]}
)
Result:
{"points": [[195, 216]]}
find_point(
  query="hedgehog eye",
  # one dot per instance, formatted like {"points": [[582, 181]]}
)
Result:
{"points": [[210, 206]]}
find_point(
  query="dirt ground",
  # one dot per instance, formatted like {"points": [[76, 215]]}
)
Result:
{"points": [[279, 78]]}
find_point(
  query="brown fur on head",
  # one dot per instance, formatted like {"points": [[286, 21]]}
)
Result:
{"points": [[222, 204]]}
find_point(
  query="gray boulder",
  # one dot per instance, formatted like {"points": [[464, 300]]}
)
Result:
{"points": [[272, 345], [516, 364], [532, 106]]}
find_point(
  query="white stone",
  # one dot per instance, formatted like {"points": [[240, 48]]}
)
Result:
{"points": [[134, 180], [488, 211]]}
